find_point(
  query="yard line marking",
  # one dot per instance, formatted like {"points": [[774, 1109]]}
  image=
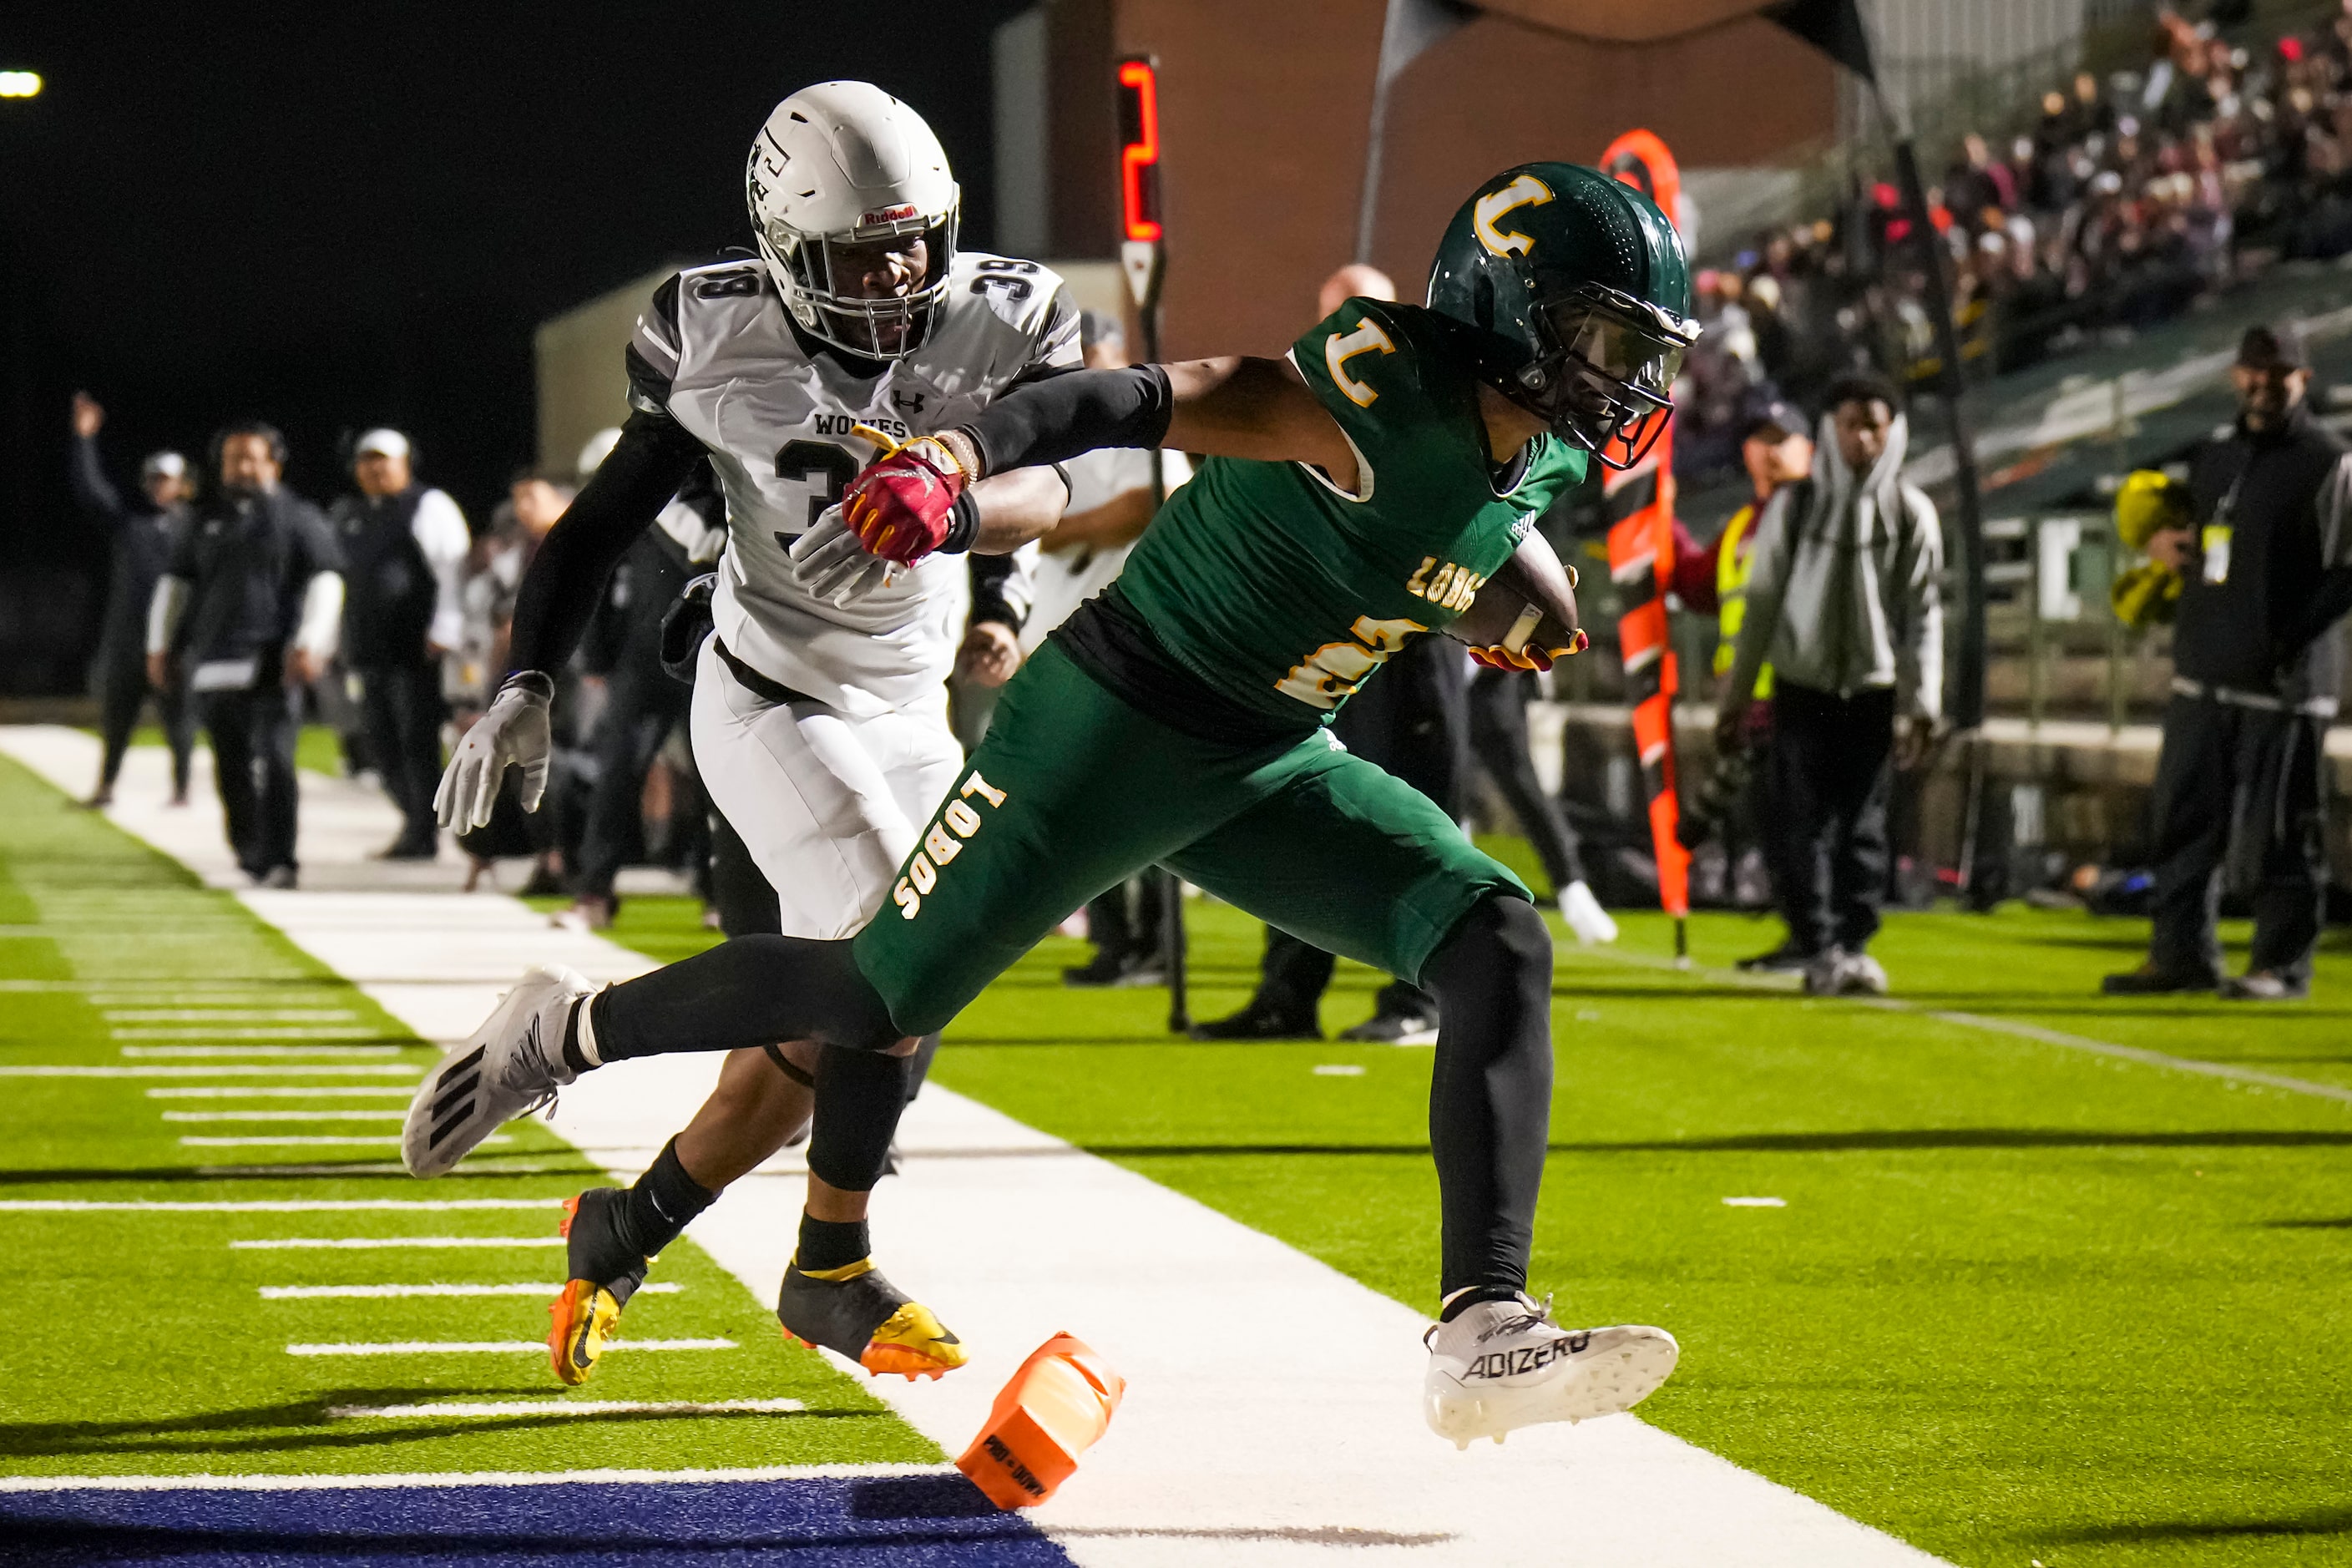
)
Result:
{"points": [[199, 1013], [1338, 1070], [564, 1407], [256, 1071], [1756, 1203], [353, 1142], [495, 1347], [196, 1050], [266, 1206], [316, 1483], [371, 1243], [137, 1051], [2012, 1028], [372, 1292], [370, 1168], [256, 1090], [285, 1115]]}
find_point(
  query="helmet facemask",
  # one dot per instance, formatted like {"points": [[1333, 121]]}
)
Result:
{"points": [[1603, 380], [821, 278]]}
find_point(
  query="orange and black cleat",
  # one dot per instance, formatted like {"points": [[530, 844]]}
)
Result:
{"points": [[855, 1312], [604, 1274]]}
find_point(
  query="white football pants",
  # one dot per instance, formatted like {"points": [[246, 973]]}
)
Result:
{"points": [[827, 805]]}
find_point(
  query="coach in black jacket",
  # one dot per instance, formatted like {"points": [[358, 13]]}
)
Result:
{"points": [[2257, 675], [144, 528], [248, 611]]}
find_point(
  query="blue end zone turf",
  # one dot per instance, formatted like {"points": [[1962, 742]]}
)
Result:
{"points": [[937, 1520]]}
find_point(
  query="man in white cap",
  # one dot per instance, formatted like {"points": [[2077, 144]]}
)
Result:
{"points": [[143, 529], [404, 548]]}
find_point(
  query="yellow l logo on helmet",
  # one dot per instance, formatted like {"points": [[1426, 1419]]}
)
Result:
{"points": [[1525, 191]]}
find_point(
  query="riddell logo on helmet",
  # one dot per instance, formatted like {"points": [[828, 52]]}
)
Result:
{"points": [[890, 214]]}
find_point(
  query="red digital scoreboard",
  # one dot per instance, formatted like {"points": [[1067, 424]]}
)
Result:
{"points": [[1139, 157]]}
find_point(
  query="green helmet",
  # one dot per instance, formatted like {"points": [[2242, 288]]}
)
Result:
{"points": [[1577, 298]]}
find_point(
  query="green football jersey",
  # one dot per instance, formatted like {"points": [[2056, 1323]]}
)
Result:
{"points": [[1284, 592]]}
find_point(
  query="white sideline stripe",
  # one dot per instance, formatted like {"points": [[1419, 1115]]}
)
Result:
{"points": [[284, 1115], [307, 1143], [63, 1071], [256, 1091], [443, 1478], [266, 1206], [1756, 1203], [1339, 1069], [334, 1051], [2024, 1031], [1132, 1267], [496, 1347], [377, 1243], [493, 1407], [228, 1016], [372, 1292], [2014, 1028]]}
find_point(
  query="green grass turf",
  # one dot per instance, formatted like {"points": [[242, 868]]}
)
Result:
{"points": [[140, 1343], [2024, 1302]]}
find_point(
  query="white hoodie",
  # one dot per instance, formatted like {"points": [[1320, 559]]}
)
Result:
{"points": [[1847, 595]]}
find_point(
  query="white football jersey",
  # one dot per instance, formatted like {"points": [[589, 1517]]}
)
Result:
{"points": [[717, 354]]}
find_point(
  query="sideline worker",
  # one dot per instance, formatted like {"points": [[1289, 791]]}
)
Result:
{"points": [[1844, 599], [145, 531], [403, 548], [250, 605], [2257, 673]]}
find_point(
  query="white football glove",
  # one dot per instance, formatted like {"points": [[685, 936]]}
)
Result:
{"points": [[514, 731], [829, 562]]}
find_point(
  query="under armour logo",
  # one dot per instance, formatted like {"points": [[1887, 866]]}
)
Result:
{"points": [[908, 402]]}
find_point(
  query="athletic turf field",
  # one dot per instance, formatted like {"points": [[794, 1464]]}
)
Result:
{"points": [[2021, 1301], [2015, 1300], [218, 1266]]}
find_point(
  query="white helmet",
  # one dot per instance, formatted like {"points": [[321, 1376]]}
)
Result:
{"points": [[843, 164]]}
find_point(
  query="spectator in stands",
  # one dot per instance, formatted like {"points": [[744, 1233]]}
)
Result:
{"points": [[144, 532], [1843, 601], [249, 607], [2257, 677], [404, 546]]}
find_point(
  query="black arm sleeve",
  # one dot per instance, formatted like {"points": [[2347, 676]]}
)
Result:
{"points": [[92, 490], [1055, 419], [992, 577], [2329, 601], [567, 577]]}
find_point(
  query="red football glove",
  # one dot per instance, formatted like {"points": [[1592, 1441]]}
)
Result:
{"points": [[1531, 657], [899, 504]]}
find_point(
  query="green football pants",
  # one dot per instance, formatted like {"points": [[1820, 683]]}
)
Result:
{"points": [[1074, 791]]}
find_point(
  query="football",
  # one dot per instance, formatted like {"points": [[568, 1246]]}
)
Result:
{"points": [[1530, 602]]}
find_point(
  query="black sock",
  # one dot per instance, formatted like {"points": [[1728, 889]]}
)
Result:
{"points": [[1472, 1297], [654, 1210], [830, 1243], [573, 1057]]}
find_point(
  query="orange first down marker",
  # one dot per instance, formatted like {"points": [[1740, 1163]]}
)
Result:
{"points": [[1054, 1408]]}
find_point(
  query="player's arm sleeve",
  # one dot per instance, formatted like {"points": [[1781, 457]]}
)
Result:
{"points": [[1003, 587], [653, 351], [442, 537], [567, 577], [1055, 419], [92, 490]]}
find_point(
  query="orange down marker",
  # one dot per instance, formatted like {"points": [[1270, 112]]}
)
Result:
{"points": [[1054, 1408]]}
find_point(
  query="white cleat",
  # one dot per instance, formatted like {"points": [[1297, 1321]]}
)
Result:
{"points": [[1585, 917], [512, 1065], [1502, 1366]]}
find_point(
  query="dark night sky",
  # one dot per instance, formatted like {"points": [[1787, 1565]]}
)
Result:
{"points": [[359, 217]]}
